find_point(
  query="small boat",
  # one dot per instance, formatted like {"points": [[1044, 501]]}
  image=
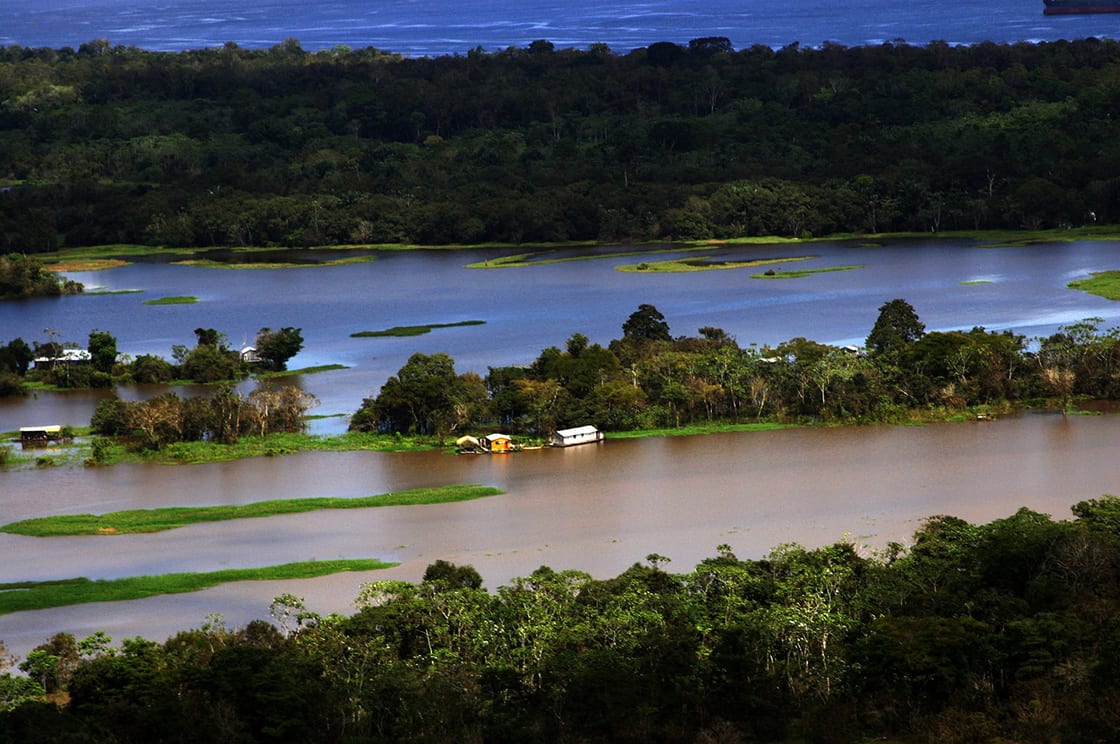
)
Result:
{"points": [[1075, 7]]}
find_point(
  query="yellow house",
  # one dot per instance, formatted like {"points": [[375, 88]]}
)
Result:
{"points": [[498, 443]]}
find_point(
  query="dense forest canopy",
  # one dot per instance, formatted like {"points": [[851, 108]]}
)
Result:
{"points": [[977, 633], [229, 146]]}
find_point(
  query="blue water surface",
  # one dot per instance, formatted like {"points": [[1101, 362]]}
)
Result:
{"points": [[439, 27]]}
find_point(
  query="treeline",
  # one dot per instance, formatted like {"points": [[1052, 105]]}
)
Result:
{"points": [[25, 276], [65, 364], [999, 632], [647, 379], [223, 417], [228, 146]]}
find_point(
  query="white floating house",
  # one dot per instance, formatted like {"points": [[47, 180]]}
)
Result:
{"points": [[39, 434], [578, 435]]}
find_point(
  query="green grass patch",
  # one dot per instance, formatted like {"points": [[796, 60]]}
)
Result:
{"points": [[798, 273], [702, 263], [977, 281], [135, 521], [268, 375], [176, 300], [40, 595], [1101, 283], [271, 445], [413, 330], [521, 260], [208, 263]]}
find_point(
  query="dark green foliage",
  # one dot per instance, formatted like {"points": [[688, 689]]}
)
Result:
{"points": [[103, 351], [542, 145], [25, 276], [956, 636], [451, 576], [646, 324], [110, 417], [16, 357], [426, 396], [275, 348], [148, 368], [896, 326]]}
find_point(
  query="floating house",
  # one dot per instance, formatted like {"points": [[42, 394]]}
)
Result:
{"points": [[64, 357], [497, 443], [578, 435], [40, 434]]}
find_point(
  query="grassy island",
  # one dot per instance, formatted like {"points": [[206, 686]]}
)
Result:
{"points": [[413, 330], [176, 300], [1102, 283], [40, 595], [135, 521]]}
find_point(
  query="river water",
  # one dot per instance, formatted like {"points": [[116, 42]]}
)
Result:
{"points": [[598, 508], [526, 310], [432, 27]]}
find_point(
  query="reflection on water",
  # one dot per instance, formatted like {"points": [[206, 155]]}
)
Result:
{"points": [[596, 508], [1027, 293]]}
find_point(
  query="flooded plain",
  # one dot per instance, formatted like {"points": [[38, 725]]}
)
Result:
{"points": [[951, 284], [596, 508]]}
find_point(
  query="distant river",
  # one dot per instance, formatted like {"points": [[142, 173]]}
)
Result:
{"points": [[952, 284], [436, 27]]}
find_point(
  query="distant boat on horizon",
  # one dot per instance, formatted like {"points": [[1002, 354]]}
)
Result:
{"points": [[1070, 7]]}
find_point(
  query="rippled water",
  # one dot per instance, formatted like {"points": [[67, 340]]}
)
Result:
{"points": [[597, 508], [529, 309], [432, 27]]}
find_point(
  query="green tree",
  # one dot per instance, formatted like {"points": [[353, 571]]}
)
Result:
{"points": [[103, 350], [896, 326], [422, 398], [646, 324], [275, 348]]}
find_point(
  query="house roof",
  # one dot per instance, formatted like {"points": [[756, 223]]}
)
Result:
{"points": [[68, 355], [576, 431]]}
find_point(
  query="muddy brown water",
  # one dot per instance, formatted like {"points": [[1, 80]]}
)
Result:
{"points": [[597, 508]]}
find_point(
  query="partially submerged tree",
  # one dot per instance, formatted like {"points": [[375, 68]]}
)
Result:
{"points": [[275, 348]]}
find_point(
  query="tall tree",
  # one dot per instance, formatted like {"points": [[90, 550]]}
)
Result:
{"points": [[896, 326], [646, 324]]}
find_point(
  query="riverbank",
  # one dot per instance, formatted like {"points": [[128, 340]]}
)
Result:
{"points": [[81, 450], [104, 257]]}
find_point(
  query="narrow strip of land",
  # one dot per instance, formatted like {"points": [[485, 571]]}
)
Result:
{"points": [[414, 330], [40, 595], [134, 521]]}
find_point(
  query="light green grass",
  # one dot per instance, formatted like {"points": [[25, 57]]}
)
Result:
{"points": [[413, 330], [702, 263], [40, 595], [1102, 283], [208, 263], [176, 300], [270, 374], [521, 260], [798, 273], [134, 521], [977, 281]]}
